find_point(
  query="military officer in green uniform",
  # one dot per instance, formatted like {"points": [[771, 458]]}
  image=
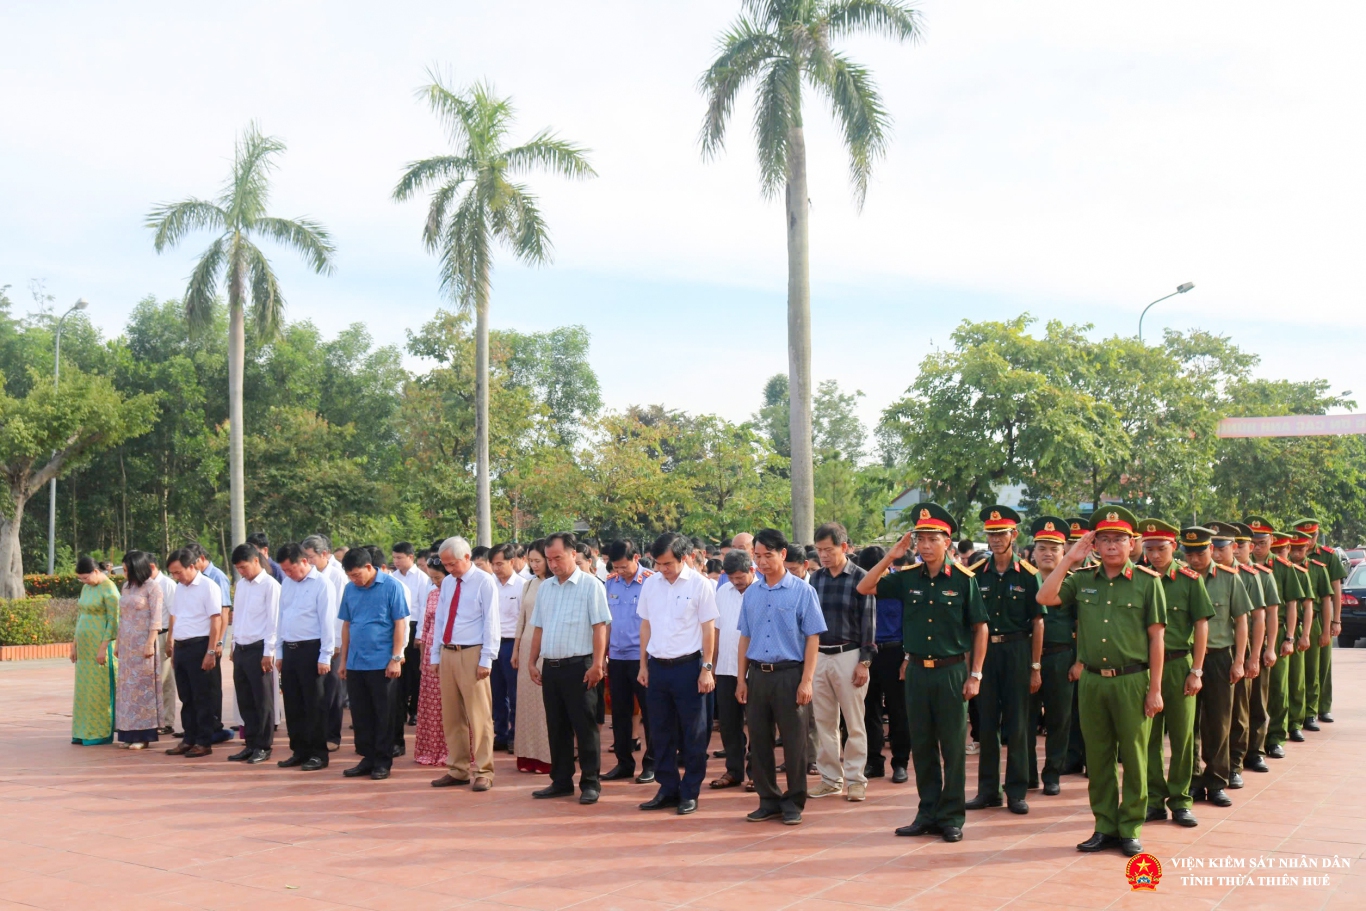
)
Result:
{"points": [[1291, 581], [1304, 668], [1077, 526], [1248, 737], [1227, 639], [1056, 692], [1121, 613], [1329, 615], [944, 632], [1010, 589], [1240, 720], [1188, 613]]}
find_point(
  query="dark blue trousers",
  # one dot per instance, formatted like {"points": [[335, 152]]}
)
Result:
{"points": [[504, 693], [679, 726]]}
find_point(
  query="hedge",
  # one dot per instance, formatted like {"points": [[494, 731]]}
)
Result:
{"points": [[62, 585], [23, 621]]}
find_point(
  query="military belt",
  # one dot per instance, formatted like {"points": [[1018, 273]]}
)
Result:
{"points": [[936, 662], [1117, 671], [1009, 637], [1058, 647], [1177, 653]]}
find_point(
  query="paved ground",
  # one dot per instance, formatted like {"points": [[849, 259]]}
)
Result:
{"points": [[101, 828]]}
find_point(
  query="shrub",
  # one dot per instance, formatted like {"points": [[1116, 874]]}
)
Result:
{"points": [[64, 585], [23, 621]]}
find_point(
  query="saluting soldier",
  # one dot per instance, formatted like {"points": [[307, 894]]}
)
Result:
{"points": [[1318, 601], [1227, 639], [1291, 581], [1010, 589], [1184, 641], [1056, 691], [1075, 764], [1249, 703], [1328, 613], [1121, 613], [944, 627]]}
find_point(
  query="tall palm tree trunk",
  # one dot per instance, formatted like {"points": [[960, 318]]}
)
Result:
{"points": [[483, 506], [799, 339], [237, 343]]}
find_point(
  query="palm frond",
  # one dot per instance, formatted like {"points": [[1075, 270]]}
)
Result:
{"points": [[862, 118], [518, 221], [436, 214], [743, 51], [172, 221], [246, 194], [778, 108], [420, 174], [203, 286], [770, 12], [464, 242], [547, 151], [304, 235], [267, 304], [889, 18]]}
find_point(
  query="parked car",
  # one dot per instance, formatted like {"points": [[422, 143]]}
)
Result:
{"points": [[1355, 556], [1353, 608]]}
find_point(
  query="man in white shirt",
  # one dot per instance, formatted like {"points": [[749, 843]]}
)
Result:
{"points": [[418, 583], [165, 672], [256, 613], [730, 713], [318, 550], [677, 609], [464, 644], [196, 630], [519, 563], [304, 647], [510, 586]]}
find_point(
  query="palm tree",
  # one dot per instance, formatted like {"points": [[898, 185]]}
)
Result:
{"points": [[239, 214], [476, 202], [781, 45]]}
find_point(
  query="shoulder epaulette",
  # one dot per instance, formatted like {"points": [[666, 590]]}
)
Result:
{"points": [[974, 567], [1317, 563], [1247, 568], [1186, 570], [968, 572], [1029, 567], [1263, 568], [1303, 569], [1280, 558], [613, 577], [1147, 569]]}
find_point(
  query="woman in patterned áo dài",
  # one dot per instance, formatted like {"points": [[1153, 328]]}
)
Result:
{"points": [[532, 743], [138, 694], [430, 740], [97, 625]]}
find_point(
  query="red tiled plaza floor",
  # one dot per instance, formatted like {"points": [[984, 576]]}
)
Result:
{"points": [[96, 827]]}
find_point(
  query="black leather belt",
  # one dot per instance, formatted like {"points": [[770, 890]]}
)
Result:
{"points": [[936, 662], [838, 649], [1117, 671], [192, 640], [1009, 637], [566, 662], [461, 648], [302, 642], [890, 643], [670, 662], [1177, 653], [1057, 647], [770, 667]]}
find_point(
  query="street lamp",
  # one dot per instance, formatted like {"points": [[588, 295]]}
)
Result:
{"points": [[52, 487], [1180, 289]]}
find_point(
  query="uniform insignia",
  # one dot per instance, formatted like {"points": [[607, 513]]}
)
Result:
{"points": [[950, 594], [1189, 572], [964, 570], [1088, 591], [974, 567], [1280, 558], [1317, 563], [1147, 569], [1303, 569], [995, 514], [1246, 568], [1128, 572], [924, 513], [1151, 527], [1262, 567], [1048, 526], [1192, 536], [1029, 567]]}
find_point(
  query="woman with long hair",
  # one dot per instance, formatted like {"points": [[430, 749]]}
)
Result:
{"points": [[532, 743], [97, 626], [430, 740], [137, 694]]}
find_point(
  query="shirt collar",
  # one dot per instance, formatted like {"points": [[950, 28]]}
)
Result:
{"points": [[787, 581]]}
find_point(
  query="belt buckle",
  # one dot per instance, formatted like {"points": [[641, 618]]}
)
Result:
{"points": [[998, 639], [1108, 672], [765, 667], [927, 662]]}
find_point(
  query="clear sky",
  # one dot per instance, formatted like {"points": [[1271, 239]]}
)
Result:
{"points": [[1071, 159]]}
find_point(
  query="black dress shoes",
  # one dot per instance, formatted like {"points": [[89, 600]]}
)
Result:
{"points": [[314, 764], [1155, 814], [258, 756], [953, 833], [646, 777], [792, 817], [241, 755], [291, 762], [1130, 846], [379, 774], [660, 802], [874, 771], [397, 751], [762, 814], [619, 773], [1255, 764], [500, 746], [1326, 717], [589, 795], [1297, 736], [552, 791], [686, 806], [412, 721], [1051, 789], [1311, 725], [983, 801], [1197, 794], [1098, 842], [365, 767], [1235, 781], [920, 828], [1019, 807], [1275, 751], [899, 775], [1184, 818], [1220, 799]]}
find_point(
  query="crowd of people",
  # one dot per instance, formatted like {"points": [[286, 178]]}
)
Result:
{"points": [[1162, 662]]}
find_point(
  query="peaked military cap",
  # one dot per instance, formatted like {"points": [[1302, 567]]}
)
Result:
{"points": [[1196, 537], [999, 518], [933, 517], [1244, 531], [1157, 530], [1259, 526], [1076, 527], [1049, 528], [1305, 529], [1113, 518]]}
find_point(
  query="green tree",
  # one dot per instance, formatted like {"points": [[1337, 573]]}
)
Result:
{"points": [[239, 214], [781, 45], [476, 202]]}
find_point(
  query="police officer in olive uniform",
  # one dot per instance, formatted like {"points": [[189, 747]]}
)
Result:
{"points": [[1251, 553], [1121, 613], [1319, 658], [1304, 663], [1075, 764], [1338, 571], [1291, 582], [1249, 701], [1223, 669], [1010, 589], [1056, 692], [1188, 613], [944, 627]]}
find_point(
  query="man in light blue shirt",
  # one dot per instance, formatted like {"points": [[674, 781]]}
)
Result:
{"points": [[780, 627], [303, 656], [374, 615], [623, 663]]}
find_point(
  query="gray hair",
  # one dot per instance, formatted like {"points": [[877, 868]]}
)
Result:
{"points": [[736, 561], [456, 546], [317, 543]]}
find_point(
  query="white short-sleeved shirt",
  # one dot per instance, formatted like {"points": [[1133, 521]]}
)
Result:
{"points": [[195, 606], [509, 602], [728, 602], [418, 584], [676, 612]]}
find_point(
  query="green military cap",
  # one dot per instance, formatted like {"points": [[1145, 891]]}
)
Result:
{"points": [[1244, 531], [933, 517], [1224, 532], [1049, 528], [1309, 526], [999, 518], [1195, 537], [1157, 530], [1113, 518], [1259, 526], [1076, 527]]}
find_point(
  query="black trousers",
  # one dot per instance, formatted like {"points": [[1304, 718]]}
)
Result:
{"points": [[680, 726], [412, 671], [334, 700], [731, 714], [304, 690], [626, 691], [201, 691], [374, 697], [772, 700], [255, 695], [885, 688], [571, 715], [399, 713]]}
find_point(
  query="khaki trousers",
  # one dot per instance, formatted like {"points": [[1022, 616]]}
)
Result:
{"points": [[833, 694], [167, 714], [466, 714]]}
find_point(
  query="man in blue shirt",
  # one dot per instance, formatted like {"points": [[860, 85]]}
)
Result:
{"points": [[374, 615], [780, 627], [623, 663]]}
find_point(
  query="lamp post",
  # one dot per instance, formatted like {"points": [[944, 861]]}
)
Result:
{"points": [[52, 487], [1180, 289]]}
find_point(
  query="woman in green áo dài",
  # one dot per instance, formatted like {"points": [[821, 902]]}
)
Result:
{"points": [[97, 626]]}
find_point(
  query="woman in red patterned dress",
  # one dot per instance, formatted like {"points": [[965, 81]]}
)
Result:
{"points": [[430, 748]]}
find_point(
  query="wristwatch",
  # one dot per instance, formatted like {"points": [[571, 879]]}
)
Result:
{"points": [[707, 665], [977, 674], [1197, 672], [866, 663], [398, 658], [1036, 666]]}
